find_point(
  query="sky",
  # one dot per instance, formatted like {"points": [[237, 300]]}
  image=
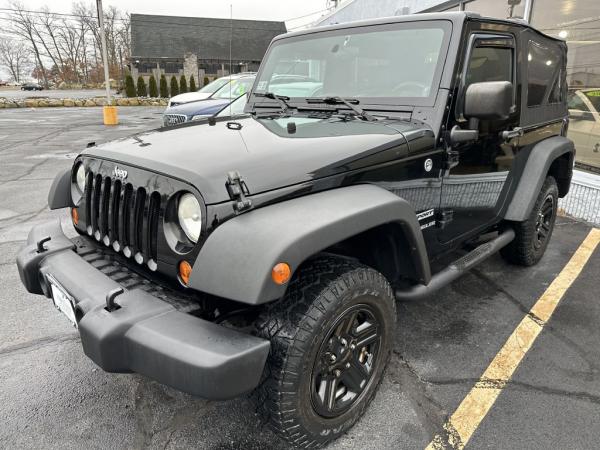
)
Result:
{"points": [[296, 13], [242, 9]]}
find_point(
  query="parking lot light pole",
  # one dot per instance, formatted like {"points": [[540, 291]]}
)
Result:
{"points": [[109, 111]]}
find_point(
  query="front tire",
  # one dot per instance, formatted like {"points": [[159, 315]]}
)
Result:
{"points": [[533, 235], [331, 337]]}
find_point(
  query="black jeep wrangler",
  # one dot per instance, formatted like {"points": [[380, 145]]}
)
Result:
{"points": [[264, 252]]}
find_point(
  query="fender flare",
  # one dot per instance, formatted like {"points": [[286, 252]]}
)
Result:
{"points": [[236, 260], [59, 195], [541, 157]]}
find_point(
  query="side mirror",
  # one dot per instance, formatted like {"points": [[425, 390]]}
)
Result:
{"points": [[489, 100]]}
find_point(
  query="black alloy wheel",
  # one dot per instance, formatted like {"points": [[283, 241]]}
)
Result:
{"points": [[533, 235], [544, 222], [345, 361], [331, 338]]}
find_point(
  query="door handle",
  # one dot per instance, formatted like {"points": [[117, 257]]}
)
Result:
{"points": [[510, 134]]}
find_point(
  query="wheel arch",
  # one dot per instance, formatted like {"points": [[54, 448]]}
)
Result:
{"points": [[381, 248], [552, 156], [562, 171], [237, 258], [59, 195]]}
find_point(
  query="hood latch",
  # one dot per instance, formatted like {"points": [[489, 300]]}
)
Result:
{"points": [[237, 190]]}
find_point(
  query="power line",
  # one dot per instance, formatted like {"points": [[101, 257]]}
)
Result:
{"points": [[72, 27], [78, 16], [307, 15], [46, 13]]}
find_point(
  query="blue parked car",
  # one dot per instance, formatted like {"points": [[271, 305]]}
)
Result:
{"points": [[201, 109]]}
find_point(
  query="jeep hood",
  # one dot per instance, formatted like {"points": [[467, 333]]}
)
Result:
{"points": [[268, 153]]}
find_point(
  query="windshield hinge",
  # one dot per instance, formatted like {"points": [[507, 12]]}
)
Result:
{"points": [[237, 190]]}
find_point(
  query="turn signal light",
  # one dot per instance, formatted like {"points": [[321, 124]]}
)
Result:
{"points": [[185, 271], [75, 215], [281, 273]]}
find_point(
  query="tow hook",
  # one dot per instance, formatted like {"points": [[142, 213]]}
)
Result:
{"points": [[111, 305], [40, 244]]}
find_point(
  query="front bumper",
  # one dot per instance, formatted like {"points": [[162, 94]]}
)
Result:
{"points": [[145, 335]]}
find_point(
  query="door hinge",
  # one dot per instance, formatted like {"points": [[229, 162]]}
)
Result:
{"points": [[452, 159], [237, 190], [444, 217]]}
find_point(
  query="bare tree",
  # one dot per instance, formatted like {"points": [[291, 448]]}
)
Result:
{"points": [[67, 47], [15, 57], [24, 25], [47, 27]]}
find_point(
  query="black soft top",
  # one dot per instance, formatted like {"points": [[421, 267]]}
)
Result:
{"points": [[456, 17]]}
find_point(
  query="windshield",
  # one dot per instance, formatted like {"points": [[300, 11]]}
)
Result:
{"points": [[235, 108], [215, 85], [594, 98], [397, 60], [235, 88]]}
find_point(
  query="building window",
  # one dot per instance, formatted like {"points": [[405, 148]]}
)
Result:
{"points": [[576, 23], [173, 67], [146, 67]]}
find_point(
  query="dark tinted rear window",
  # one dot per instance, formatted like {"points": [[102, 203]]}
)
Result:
{"points": [[543, 74]]}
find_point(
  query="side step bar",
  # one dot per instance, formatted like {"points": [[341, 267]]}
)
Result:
{"points": [[456, 269]]}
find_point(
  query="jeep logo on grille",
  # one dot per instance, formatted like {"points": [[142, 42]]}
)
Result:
{"points": [[120, 173]]}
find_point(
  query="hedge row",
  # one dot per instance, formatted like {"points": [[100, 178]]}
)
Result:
{"points": [[140, 90]]}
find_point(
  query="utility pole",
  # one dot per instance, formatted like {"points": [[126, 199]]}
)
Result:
{"points": [[110, 112], [122, 81]]}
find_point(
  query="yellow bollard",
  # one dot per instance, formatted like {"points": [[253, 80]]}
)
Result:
{"points": [[110, 115]]}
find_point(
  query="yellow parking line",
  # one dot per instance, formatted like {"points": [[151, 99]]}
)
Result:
{"points": [[469, 414]]}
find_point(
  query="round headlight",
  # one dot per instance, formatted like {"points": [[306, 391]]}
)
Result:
{"points": [[190, 216], [80, 178]]}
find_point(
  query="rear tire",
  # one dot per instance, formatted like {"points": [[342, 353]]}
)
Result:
{"points": [[331, 337], [533, 235]]}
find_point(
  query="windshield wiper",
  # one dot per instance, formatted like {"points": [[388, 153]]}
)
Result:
{"points": [[282, 99], [349, 102]]}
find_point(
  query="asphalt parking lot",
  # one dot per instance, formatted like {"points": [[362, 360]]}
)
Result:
{"points": [[52, 396]]}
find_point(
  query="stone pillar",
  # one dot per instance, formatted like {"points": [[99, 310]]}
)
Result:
{"points": [[134, 73], [190, 65]]}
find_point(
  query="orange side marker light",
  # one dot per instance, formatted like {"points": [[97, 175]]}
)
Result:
{"points": [[185, 271], [75, 215], [281, 273]]}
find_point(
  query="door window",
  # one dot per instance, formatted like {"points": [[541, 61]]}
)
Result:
{"points": [[490, 58], [490, 64]]}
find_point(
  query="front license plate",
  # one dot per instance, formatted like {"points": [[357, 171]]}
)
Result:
{"points": [[62, 300]]}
